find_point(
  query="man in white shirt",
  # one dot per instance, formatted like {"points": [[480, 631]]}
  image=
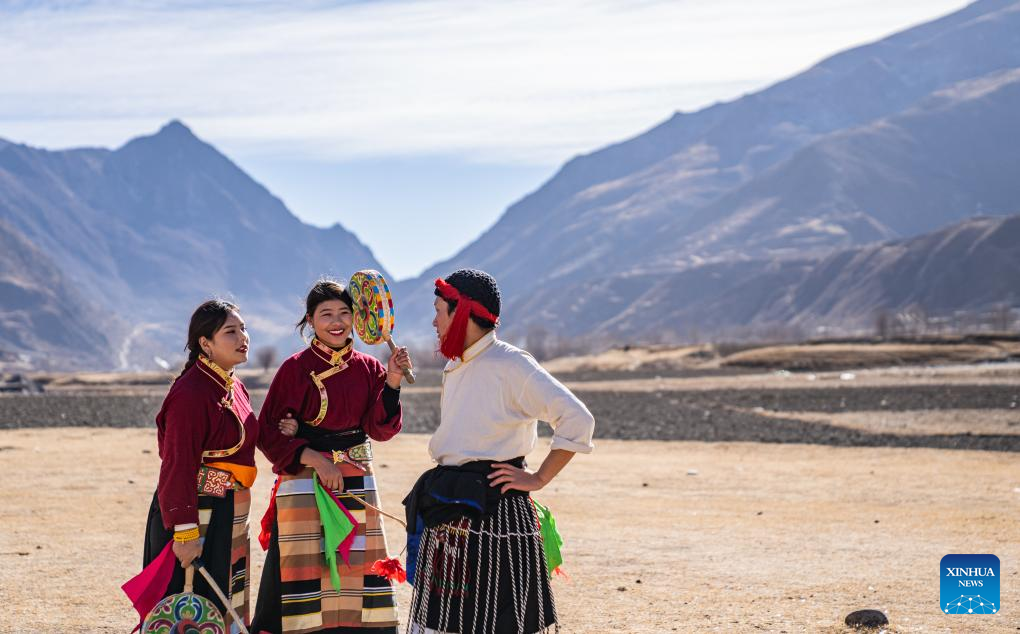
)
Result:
{"points": [[476, 549]]}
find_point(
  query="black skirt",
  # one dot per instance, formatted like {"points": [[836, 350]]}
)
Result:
{"points": [[216, 551], [484, 575]]}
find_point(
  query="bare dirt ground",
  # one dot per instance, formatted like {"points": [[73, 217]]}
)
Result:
{"points": [[817, 356], [949, 422], [660, 536], [846, 355], [810, 494]]}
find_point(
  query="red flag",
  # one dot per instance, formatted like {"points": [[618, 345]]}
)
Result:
{"points": [[149, 587]]}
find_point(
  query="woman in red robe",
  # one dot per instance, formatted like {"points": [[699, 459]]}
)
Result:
{"points": [[207, 435], [339, 400]]}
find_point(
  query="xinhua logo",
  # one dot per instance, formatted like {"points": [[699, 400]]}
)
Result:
{"points": [[970, 584]]}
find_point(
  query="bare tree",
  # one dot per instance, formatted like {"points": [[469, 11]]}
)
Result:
{"points": [[883, 324], [265, 357], [1002, 318], [536, 342], [914, 320]]}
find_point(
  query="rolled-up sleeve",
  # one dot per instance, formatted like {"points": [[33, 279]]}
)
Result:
{"points": [[545, 398]]}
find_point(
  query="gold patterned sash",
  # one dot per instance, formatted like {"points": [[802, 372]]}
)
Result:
{"points": [[227, 402], [335, 358]]}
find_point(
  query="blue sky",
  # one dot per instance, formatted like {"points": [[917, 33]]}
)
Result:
{"points": [[413, 124]]}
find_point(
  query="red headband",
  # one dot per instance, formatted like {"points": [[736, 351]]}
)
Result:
{"points": [[452, 345]]}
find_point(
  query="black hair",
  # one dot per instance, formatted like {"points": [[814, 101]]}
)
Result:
{"points": [[479, 286], [324, 290], [207, 319]]}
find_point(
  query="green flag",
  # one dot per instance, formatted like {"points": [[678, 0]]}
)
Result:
{"points": [[551, 539], [337, 526]]}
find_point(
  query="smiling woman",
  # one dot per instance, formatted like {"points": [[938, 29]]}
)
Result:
{"points": [[325, 406], [207, 434]]}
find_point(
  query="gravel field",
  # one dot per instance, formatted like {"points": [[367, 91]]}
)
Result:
{"points": [[711, 414]]}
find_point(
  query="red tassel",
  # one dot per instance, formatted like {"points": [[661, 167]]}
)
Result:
{"points": [[452, 345], [560, 572], [390, 569]]}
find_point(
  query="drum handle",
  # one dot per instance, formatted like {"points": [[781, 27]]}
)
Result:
{"points": [[189, 579], [219, 593], [408, 374], [375, 508]]}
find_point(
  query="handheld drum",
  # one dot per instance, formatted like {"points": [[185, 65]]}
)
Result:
{"points": [[190, 613], [374, 318]]}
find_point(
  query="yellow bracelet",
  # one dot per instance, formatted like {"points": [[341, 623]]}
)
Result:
{"points": [[186, 536]]}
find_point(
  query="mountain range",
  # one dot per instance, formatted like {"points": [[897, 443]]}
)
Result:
{"points": [[880, 178], [882, 142], [149, 230], [970, 265]]}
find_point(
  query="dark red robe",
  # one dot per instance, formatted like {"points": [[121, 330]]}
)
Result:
{"points": [[356, 401], [193, 420]]}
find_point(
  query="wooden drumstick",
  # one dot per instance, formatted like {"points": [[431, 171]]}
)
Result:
{"points": [[219, 593], [408, 374]]}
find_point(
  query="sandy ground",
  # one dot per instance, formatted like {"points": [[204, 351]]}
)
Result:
{"points": [[816, 356], [988, 374], [914, 422], [660, 536]]}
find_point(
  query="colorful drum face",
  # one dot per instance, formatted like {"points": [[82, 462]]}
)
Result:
{"points": [[374, 318], [184, 613]]}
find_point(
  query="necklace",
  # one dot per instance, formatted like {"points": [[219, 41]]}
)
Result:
{"points": [[227, 402], [228, 379]]}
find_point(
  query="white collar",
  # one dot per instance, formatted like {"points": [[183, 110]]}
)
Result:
{"points": [[473, 351]]}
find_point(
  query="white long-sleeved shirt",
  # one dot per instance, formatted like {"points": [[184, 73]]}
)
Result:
{"points": [[492, 402]]}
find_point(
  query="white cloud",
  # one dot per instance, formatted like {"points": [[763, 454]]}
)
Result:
{"points": [[516, 80]]}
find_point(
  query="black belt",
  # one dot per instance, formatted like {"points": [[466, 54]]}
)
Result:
{"points": [[442, 494], [331, 440]]}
